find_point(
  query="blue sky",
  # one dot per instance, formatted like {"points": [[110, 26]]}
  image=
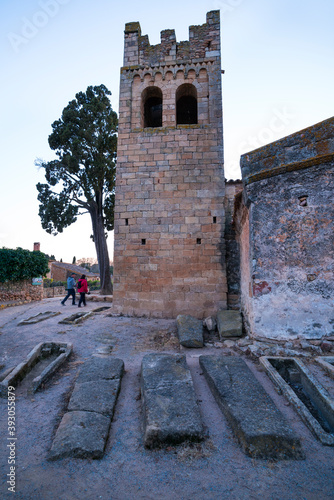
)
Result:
{"points": [[278, 58]]}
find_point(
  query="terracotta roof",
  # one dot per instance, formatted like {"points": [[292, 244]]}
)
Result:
{"points": [[75, 269]]}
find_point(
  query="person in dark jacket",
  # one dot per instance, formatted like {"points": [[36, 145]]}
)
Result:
{"points": [[70, 289], [82, 289]]}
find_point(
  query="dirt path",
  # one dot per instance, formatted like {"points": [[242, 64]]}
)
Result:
{"points": [[214, 469]]}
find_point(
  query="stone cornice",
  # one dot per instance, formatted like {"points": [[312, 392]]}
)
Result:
{"points": [[289, 167]]}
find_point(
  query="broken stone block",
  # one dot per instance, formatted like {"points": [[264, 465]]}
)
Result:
{"points": [[81, 434], [229, 324], [171, 412], [190, 331], [210, 324], [99, 396]]}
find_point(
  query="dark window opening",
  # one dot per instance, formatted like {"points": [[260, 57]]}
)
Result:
{"points": [[215, 220], [143, 241], [186, 110], [152, 107], [186, 105], [153, 112], [126, 222], [199, 241]]}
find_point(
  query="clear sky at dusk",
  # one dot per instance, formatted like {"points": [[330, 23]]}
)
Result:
{"points": [[278, 58]]}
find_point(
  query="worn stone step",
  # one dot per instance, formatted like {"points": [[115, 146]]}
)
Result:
{"points": [[261, 429], [171, 413]]}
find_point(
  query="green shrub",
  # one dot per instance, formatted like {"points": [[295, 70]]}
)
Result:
{"points": [[19, 264]]}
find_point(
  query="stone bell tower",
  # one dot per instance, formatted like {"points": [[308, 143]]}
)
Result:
{"points": [[169, 255]]}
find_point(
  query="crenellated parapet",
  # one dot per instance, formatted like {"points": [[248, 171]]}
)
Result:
{"points": [[203, 44]]}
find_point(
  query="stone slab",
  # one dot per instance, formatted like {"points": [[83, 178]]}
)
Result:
{"points": [[38, 317], [76, 318], [319, 397], [101, 369], [259, 426], [22, 369], [171, 413], [99, 396], [65, 351], [81, 434], [229, 324], [190, 331]]}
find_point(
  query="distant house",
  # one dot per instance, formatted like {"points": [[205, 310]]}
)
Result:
{"points": [[60, 271]]}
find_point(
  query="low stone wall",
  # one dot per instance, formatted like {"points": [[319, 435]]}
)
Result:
{"points": [[54, 291], [20, 290]]}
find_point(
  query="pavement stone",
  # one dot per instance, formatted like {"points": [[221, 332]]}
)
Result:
{"points": [[258, 425], [81, 434], [171, 413]]}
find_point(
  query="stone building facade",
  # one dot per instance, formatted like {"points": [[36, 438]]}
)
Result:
{"points": [[186, 242], [170, 186], [284, 221]]}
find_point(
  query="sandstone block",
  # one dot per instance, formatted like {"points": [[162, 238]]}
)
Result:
{"points": [[190, 331], [229, 324]]}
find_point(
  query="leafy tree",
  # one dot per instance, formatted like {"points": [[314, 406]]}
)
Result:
{"points": [[20, 264], [82, 179], [74, 260]]}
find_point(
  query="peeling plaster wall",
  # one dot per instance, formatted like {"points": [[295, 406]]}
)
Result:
{"points": [[291, 239]]}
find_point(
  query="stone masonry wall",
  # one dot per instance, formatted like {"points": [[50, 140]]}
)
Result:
{"points": [[288, 287], [169, 208], [20, 290], [233, 188]]}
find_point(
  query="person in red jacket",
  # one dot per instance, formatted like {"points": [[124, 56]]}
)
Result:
{"points": [[82, 289]]}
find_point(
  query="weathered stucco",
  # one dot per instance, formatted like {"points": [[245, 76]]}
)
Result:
{"points": [[288, 289]]}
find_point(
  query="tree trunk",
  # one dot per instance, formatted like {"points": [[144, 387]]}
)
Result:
{"points": [[101, 251]]}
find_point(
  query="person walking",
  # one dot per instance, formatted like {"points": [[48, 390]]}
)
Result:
{"points": [[82, 289], [70, 289]]}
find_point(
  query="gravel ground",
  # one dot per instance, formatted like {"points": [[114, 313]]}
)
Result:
{"points": [[214, 469]]}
